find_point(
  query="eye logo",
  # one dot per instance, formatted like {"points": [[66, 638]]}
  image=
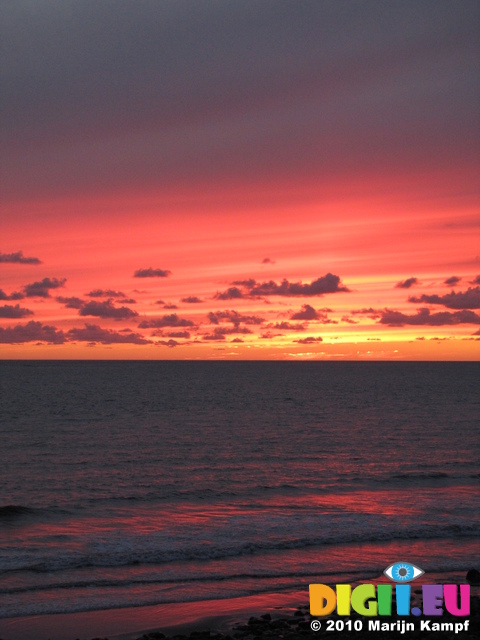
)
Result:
{"points": [[403, 572]]}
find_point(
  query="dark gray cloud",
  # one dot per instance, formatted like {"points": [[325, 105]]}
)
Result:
{"points": [[171, 320], [105, 293], [170, 306], [10, 311], [425, 317], [406, 284], [286, 326], [18, 258], [154, 92], [191, 300], [94, 333], [152, 273], [234, 317], [452, 281], [232, 293], [71, 302], [106, 309], [307, 313], [178, 334], [31, 332], [309, 340], [219, 333], [469, 299], [476, 280], [16, 295], [42, 288], [328, 283], [167, 343]]}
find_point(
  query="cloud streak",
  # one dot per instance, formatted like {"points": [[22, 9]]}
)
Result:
{"points": [[18, 258], [152, 273]]}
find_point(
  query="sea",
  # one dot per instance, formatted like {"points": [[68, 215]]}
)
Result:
{"points": [[124, 484]]}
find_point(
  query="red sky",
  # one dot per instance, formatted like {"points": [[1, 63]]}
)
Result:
{"points": [[230, 148]]}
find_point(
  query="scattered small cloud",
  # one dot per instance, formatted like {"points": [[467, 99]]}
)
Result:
{"points": [[170, 306], [31, 332], [469, 299], [307, 313], [349, 320], [16, 295], [71, 302], [18, 258], [232, 293], [42, 288], [152, 273], [178, 334], [309, 340], [268, 261], [171, 320], [167, 343], [406, 284], [286, 326], [105, 293], [191, 300], [106, 309], [425, 317], [328, 283], [234, 317], [10, 311], [93, 333], [452, 281]]}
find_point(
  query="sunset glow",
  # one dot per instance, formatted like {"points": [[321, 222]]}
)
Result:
{"points": [[240, 181]]}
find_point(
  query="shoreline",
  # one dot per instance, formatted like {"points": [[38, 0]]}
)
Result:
{"points": [[271, 615]]}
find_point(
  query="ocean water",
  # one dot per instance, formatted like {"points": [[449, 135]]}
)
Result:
{"points": [[132, 483]]}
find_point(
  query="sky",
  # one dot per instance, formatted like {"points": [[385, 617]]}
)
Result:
{"points": [[240, 179]]}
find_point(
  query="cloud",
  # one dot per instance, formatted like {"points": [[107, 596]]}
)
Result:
{"points": [[106, 309], [476, 280], [268, 261], [9, 311], [94, 333], [424, 317], [170, 306], [191, 300], [232, 293], [167, 343], [286, 326], [105, 293], [171, 320], [41, 289], [349, 320], [406, 284], [309, 340], [16, 295], [178, 334], [237, 340], [152, 273], [234, 317], [371, 313], [469, 299], [452, 281], [307, 313], [328, 283], [71, 302], [245, 283], [31, 332], [18, 258], [219, 333]]}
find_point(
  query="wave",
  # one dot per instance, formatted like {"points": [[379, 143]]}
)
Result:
{"points": [[14, 510], [128, 556]]}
